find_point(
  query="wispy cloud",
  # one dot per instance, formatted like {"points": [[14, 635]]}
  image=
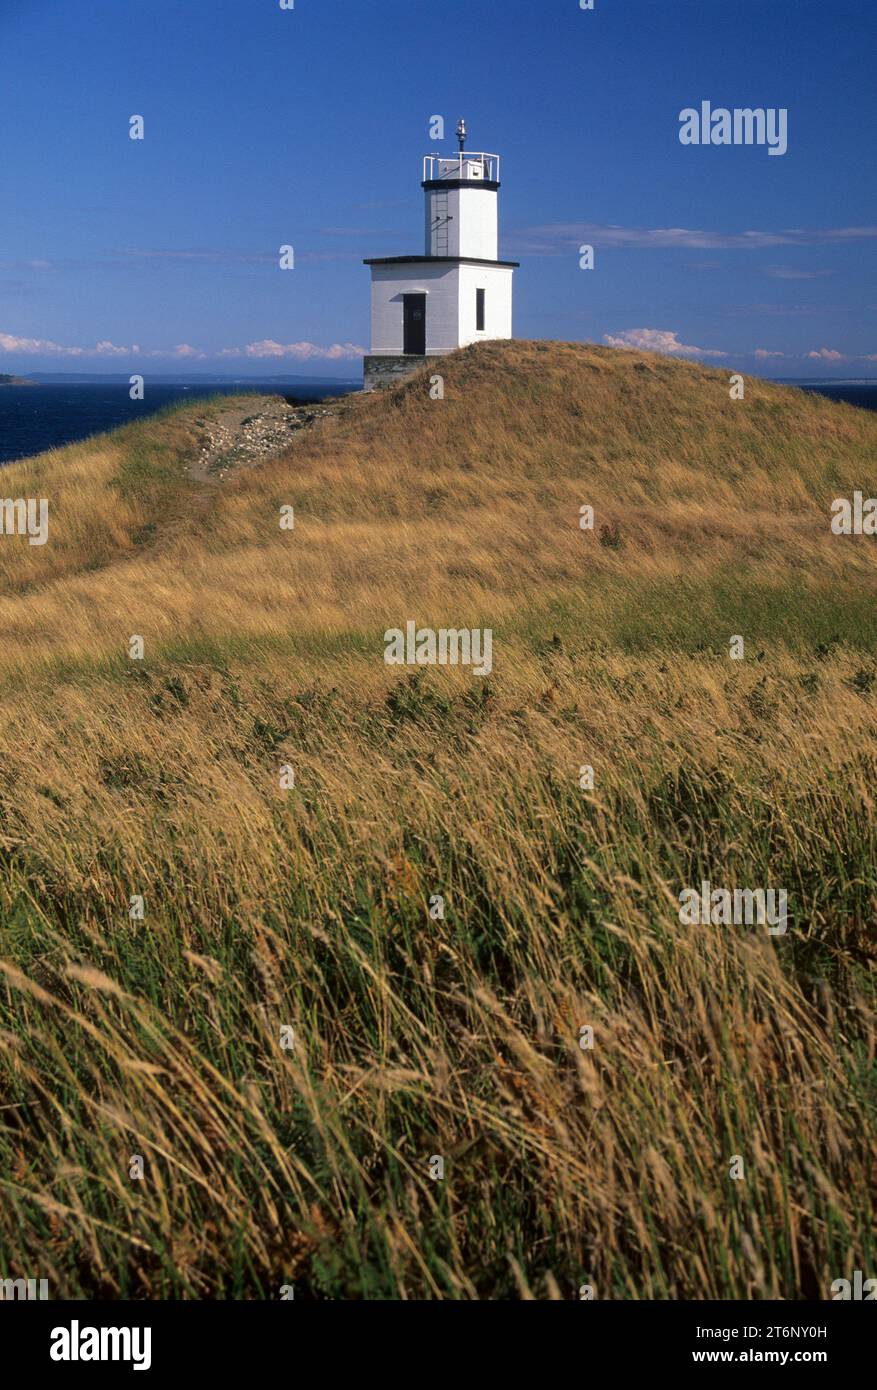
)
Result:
{"points": [[658, 340], [302, 351], [199, 255], [44, 347], [360, 231], [789, 272], [36, 264], [784, 310], [380, 203], [205, 256], [266, 348], [553, 239], [825, 354], [665, 341]]}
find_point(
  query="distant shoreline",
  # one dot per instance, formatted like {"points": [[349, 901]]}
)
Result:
{"points": [[191, 379]]}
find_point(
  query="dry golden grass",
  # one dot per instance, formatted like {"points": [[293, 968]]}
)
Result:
{"points": [[471, 502], [455, 1037]]}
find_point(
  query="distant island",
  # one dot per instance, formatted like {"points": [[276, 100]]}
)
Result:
{"points": [[6, 380]]}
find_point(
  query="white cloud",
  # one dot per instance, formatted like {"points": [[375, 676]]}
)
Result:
{"points": [[828, 355], [107, 349], [658, 340], [10, 343], [267, 348], [556, 237], [764, 352], [44, 347]]}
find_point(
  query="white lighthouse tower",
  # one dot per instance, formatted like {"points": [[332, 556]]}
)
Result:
{"points": [[457, 292]]}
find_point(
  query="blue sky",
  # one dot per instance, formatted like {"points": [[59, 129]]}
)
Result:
{"points": [[266, 127]]}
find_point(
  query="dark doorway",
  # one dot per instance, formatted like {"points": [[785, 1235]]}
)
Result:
{"points": [[414, 320]]}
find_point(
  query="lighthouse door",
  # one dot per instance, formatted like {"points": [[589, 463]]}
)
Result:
{"points": [[414, 324]]}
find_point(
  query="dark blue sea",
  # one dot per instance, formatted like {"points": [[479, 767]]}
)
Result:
{"points": [[860, 393], [45, 416]]}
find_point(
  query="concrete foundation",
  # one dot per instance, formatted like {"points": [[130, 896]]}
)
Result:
{"points": [[385, 369]]}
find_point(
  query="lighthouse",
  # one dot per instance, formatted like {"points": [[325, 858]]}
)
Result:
{"points": [[457, 292]]}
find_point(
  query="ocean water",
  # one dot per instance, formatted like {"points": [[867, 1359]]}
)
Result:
{"points": [[860, 393], [48, 415]]}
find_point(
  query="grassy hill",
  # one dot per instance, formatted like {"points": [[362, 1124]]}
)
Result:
{"points": [[309, 907]]}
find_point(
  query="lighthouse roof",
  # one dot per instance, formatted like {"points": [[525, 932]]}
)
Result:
{"points": [[432, 260]]}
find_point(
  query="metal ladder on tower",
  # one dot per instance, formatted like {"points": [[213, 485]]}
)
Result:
{"points": [[440, 225]]}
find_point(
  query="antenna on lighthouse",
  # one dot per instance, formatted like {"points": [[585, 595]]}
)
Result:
{"points": [[461, 134]]}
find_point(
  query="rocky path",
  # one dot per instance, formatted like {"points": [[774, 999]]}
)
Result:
{"points": [[239, 437]]}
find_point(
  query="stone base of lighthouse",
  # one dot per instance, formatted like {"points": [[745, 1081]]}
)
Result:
{"points": [[380, 370]]}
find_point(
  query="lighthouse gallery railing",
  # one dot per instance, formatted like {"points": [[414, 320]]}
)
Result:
{"points": [[453, 166]]}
